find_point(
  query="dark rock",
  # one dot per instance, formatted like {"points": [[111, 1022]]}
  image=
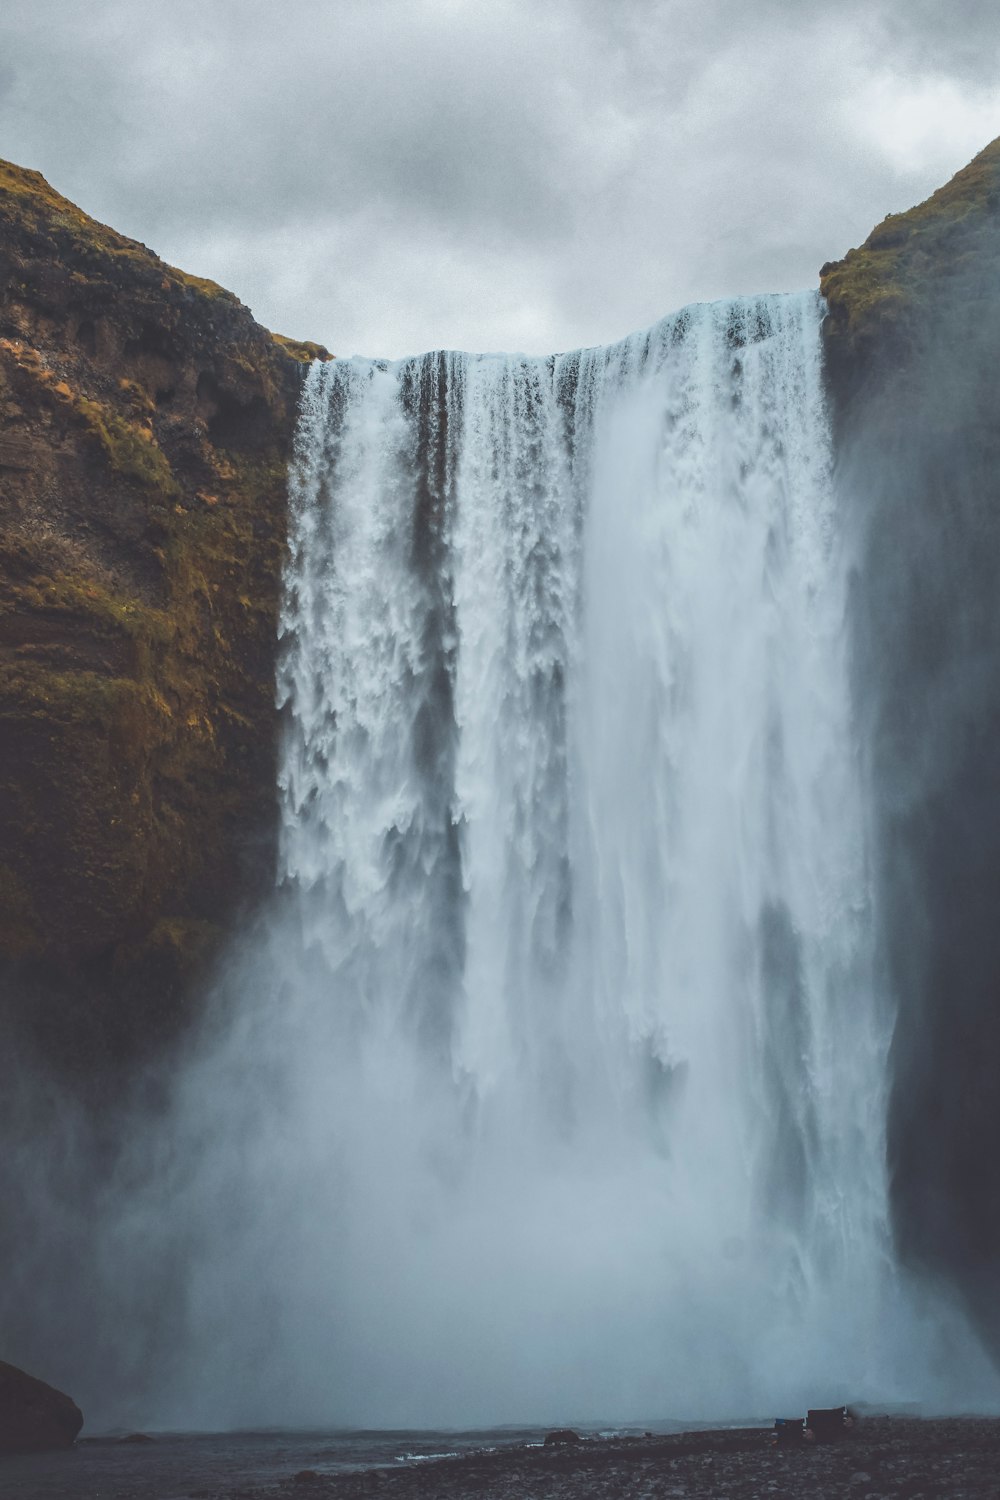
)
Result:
{"points": [[881, 295], [34, 1416], [146, 424], [137, 1438], [789, 1432], [561, 1435], [826, 1424], [910, 349]]}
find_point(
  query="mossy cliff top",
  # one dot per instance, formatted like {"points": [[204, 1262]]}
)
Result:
{"points": [[145, 424], [881, 295], [29, 206]]}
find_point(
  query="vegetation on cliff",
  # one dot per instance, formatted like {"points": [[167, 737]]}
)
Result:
{"points": [[145, 421], [880, 296]]}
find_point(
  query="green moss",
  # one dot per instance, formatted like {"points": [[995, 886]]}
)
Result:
{"points": [[27, 200], [33, 583], [136, 690], [129, 446], [200, 284], [302, 350], [73, 697], [73, 595], [129, 449], [887, 284], [138, 398]]}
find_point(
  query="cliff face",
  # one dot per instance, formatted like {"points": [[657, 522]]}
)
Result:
{"points": [[886, 299], [145, 422], [912, 339]]}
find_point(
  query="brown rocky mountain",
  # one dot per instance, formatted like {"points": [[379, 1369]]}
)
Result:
{"points": [[145, 423]]}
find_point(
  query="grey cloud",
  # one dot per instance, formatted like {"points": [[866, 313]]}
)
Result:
{"points": [[390, 174], [961, 39]]}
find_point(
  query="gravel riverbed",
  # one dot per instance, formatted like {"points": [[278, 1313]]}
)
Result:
{"points": [[884, 1458]]}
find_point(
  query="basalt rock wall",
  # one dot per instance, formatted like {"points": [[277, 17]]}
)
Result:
{"points": [[145, 423], [911, 340]]}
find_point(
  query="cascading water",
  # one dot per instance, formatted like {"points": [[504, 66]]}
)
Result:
{"points": [[583, 1064]]}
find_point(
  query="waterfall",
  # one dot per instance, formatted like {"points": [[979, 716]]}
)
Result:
{"points": [[583, 1056]]}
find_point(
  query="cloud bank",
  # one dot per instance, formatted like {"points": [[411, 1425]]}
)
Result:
{"points": [[392, 175]]}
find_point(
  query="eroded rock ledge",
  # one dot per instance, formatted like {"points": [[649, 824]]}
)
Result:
{"points": [[145, 423]]}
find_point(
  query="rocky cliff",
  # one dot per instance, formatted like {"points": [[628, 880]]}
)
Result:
{"points": [[886, 299], [912, 338], [145, 423]]}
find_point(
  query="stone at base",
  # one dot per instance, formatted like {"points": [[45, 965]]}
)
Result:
{"points": [[34, 1416]]}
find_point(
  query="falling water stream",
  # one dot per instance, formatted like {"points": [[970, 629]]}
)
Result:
{"points": [[583, 1058], [552, 1086]]}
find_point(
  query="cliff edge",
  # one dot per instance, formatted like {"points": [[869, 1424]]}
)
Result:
{"points": [[145, 424], [882, 297], [911, 346]]}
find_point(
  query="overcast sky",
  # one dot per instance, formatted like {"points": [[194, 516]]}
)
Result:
{"points": [[391, 175]]}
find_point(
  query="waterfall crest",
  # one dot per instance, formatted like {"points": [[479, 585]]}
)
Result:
{"points": [[585, 1040]]}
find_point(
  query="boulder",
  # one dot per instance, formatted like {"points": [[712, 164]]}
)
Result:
{"points": [[34, 1416]]}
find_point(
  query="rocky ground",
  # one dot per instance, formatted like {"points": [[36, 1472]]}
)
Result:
{"points": [[885, 1458], [901, 1458]]}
